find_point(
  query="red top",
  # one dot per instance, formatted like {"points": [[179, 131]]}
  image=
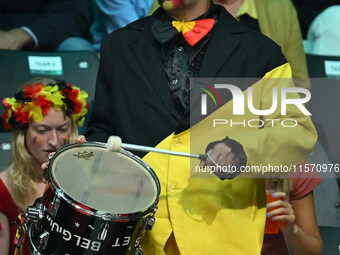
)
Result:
{"points": [[303, 184], [11, 211]]}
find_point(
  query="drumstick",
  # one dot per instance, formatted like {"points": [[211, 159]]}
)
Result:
{"points": [[114, 143]]}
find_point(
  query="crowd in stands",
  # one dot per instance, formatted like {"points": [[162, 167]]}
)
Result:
{"points": [[65, 25], [45, 25]]}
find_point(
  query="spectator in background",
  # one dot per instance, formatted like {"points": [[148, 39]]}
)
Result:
{"points": [[43, 116], [44, 25], [295, 212], [323, 34], [110, 15], [278, 20]]}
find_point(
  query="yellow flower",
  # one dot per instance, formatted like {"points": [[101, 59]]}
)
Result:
{"points": [[35, 112]]}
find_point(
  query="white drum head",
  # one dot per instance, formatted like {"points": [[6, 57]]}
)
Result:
{"points": [[107, 181]]}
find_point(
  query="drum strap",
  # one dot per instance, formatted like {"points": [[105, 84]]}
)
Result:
{"points": [[20, 234]]}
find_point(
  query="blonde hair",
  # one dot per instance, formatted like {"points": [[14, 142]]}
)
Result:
{"points": [[283, 184], [22, 172]]}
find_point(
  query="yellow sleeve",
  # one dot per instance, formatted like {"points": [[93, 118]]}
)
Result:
{"points": [[275, 144]]}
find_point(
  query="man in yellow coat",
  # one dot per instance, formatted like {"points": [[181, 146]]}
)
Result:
{"points": [[143, 96]]}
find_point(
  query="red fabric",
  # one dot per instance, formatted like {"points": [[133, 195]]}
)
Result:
{"points": [[201, 29], [303, 184], [11, 211]]}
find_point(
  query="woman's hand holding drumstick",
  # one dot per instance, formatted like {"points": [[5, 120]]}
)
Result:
{"points": [[80, 139]]}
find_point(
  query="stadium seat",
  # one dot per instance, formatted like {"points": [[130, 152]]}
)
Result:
{"points": [[323, 66], [331, 240], [5, 149]]}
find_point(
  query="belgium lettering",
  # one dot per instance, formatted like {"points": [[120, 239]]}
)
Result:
{"points": [[83, 242], [67, 236]]}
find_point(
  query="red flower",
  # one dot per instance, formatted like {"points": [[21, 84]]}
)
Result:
{"points": [[73, 96], [32, 90], [4, 102], [77, 107], [66, 90], [43, 103], [21, 117], [7, 126]]}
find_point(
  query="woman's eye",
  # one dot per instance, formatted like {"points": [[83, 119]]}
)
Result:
{"points": [[63, 130], [41, 131]]}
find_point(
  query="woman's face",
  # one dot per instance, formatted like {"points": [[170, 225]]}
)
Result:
{"points": [[48, 135]]}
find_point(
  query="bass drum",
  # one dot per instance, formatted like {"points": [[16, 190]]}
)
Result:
{"points": [[97, 202]]}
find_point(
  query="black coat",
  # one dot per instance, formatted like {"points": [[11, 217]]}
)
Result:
{"points": [[132, 97]]}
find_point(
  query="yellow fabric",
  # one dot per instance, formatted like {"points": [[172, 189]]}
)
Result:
{"points": [[207, 216], [183, 27], [278, 20], [211, 216], [34, 111], [247, 7]]}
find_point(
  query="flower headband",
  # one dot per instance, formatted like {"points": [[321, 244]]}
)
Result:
{"points": [[34, 101]]}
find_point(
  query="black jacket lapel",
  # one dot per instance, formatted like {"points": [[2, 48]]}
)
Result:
{"points": [[221, 45], [148, 53]]}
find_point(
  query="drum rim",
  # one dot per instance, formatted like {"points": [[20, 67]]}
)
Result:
{"points": [[32, 248], [60, 193]]}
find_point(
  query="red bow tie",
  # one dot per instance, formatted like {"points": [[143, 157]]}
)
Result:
{"points": [[194, 31]]}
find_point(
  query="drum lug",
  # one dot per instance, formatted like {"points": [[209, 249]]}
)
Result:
{"points": [[103, 231], [149, 222], [53, 207], [138, 252], [35, 213], [43, 238]]}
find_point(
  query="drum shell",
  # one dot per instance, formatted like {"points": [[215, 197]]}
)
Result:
{"points": [[73, 232], [74, 228]]}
